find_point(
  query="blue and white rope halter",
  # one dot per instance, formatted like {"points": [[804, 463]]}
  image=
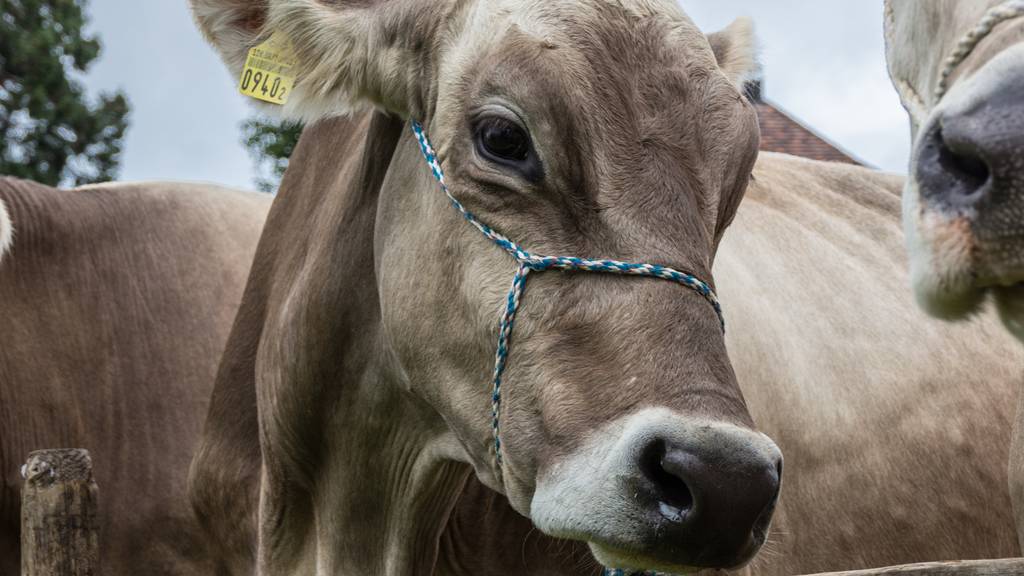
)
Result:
{"points": [[532, 263]]}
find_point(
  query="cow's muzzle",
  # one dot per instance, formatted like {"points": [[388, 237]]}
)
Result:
{"points": [[666, 493], [967, 213], [971, 159]]}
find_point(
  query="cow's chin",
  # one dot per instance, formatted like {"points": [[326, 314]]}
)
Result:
{"points": [[629, 562]]}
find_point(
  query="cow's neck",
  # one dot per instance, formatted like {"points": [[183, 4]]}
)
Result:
{"points": [[358, 475]]}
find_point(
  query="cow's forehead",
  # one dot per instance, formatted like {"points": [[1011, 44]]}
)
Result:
{"points": [[582, 23], [597, 53], [546, 17]]}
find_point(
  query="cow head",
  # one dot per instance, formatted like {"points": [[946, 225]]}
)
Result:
{"points": [[959, 68], [575, 127]]}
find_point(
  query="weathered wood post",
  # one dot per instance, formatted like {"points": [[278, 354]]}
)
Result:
{"points": [[58, 515]]}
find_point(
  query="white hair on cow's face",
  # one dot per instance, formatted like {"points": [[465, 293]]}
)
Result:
{"points": [[6, 230]]}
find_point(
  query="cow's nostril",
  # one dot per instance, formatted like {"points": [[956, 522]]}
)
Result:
{"points": [[674, 496], [705, 491], [963, 165]]}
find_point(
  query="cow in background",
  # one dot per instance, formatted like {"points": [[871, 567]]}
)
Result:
{"points": [[115, 304], [959, 70]]}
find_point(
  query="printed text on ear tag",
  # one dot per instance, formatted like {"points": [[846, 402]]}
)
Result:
{"points": [[269, 73]]}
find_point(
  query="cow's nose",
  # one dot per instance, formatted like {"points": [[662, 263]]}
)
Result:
{"points": [[716, 495], [973, 154]]}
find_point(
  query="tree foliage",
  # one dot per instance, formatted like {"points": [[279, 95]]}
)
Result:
{"points": [[270, 144], [50, 130]]}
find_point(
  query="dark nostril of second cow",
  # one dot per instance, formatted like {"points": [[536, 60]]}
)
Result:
{"points": [[717, 499], [973, 154], [951, 170]]}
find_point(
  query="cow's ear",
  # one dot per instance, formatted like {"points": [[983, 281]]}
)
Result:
{"points": [[735, 49], [349, 54]]}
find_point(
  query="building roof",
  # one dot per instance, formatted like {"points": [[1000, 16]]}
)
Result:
{"points": [[781, 132]]}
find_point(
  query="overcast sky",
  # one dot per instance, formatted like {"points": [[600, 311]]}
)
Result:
{"points": [[824, 63]]}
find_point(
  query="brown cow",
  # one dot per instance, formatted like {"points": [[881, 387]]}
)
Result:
{"points": [[592, 128], [959, 70], [115, 303], [370, 322]]}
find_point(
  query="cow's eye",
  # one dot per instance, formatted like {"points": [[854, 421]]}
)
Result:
{"points": [[502, 140]]}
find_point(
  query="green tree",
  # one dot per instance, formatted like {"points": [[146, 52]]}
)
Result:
{"points": [[270, 144], [50, 130]]}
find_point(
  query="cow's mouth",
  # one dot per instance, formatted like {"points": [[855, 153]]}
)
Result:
{"points": [[971, 296], [956, 270], [1007, 295], [632, 563]]}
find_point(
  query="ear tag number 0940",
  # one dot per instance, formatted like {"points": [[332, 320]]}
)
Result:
{"points": [[269, 72]]}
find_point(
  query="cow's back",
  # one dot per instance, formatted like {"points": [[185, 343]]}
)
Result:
{"points": [[116, 301]]}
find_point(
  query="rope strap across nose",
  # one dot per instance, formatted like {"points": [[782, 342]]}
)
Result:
{"points": [[532, 263]]}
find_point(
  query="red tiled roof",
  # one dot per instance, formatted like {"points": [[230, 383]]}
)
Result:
{"points": [[783, 133]]}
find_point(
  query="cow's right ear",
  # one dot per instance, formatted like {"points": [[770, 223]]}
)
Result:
{"points": [[349, 53]]}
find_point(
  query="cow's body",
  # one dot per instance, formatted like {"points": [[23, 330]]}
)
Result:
{"points": [[115, 303], [895, 427], [959, 70]]}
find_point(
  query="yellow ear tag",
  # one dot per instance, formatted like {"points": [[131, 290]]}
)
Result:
{"points": [[269, 73]]}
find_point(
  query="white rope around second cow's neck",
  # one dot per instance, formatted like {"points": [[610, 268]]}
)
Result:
{"points": [[965, 47], [915, 104]]}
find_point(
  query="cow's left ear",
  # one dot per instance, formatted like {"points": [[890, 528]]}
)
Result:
{"points": [[735, 49], [348, 53]]}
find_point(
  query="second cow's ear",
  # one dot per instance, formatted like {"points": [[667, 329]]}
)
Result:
{"points": [[735, 48], [349, 53]]}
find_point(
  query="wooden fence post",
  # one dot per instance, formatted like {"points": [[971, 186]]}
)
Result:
{"points": [[58, 515]]}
